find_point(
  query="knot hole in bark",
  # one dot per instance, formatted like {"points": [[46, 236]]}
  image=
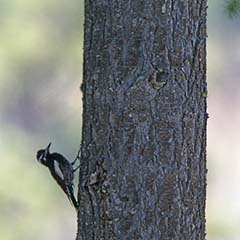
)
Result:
{"points": [[158, 79]]}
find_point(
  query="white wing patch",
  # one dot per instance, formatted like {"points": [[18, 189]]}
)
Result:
{"points": [[58, 170]]}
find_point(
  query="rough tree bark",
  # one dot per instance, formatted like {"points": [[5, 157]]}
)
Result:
{"points": [[143, 166]]}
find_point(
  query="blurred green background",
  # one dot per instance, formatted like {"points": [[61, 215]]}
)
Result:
{"points": [[40, 73]]}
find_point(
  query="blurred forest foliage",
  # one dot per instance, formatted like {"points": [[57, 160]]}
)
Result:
{"points": [[233, 8], [40, 74]]}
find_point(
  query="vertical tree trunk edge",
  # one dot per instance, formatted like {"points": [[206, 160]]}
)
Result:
{"points": [[143, 162]]}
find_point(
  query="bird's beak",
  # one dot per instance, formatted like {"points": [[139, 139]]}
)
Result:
{"points": [[48, 147]]}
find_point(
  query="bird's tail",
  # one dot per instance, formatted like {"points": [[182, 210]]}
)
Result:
{"points": [[71, 197]]}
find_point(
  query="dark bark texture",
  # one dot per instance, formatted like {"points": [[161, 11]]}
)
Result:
{"points": [[143, 164]]}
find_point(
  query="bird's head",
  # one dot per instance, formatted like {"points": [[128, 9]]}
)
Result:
{"points": [[43, 154]]}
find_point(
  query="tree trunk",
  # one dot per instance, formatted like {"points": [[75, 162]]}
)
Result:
{"points": [[143, 164]]}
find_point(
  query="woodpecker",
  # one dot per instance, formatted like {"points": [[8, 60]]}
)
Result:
{"points": [[61, 170]]}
